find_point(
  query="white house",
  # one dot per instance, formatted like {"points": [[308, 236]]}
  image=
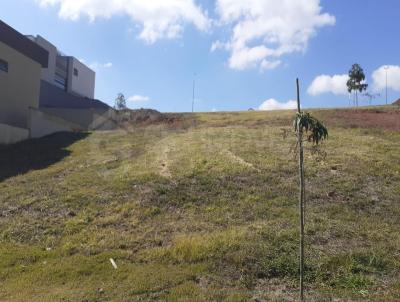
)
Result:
{"points": [[43, 91], [66, 72]]}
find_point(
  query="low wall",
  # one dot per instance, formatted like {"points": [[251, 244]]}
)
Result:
{"points": [[10, 134], [46, 121], [42, 123], [88, 119], [104, 121]]}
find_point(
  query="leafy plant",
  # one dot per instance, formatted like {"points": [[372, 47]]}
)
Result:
{"points": [[311, 126]]}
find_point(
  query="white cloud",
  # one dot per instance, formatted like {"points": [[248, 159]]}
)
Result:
{"points": [[138, 98], [266, 65], [158, 18], [97, 66], [336, 84], [263, 30], [218, 45], [273, 104], [393, 77]]}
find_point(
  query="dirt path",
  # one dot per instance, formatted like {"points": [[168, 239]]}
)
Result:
{"points": [[239, 160], [164, 166]]}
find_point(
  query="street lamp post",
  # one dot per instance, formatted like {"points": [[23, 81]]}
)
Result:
{"points": [[386, 69], [194, 86]]}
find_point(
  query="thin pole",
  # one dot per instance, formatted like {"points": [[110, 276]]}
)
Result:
{"points": [[194, 86], [301, 196], [356, 98], [386, 68]]}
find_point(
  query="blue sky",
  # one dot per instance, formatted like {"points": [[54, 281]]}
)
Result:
{"points": [[151, 51]]}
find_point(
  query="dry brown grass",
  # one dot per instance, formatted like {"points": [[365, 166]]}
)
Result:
{"points": [[202, 209]]}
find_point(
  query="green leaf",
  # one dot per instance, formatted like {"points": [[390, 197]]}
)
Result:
{"points": [[315, 129]]}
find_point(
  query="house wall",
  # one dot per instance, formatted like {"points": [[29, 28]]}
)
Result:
{"points": [[19, 88], [49, 72], [53, 97], [82, 84]]}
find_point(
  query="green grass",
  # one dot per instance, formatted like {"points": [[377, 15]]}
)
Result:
{"points": [[206, 211]]}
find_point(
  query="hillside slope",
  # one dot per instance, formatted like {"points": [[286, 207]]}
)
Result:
{"points": [[203, 208]]}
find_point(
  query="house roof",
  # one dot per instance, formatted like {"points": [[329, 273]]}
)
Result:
{"points": [[22, 44]]}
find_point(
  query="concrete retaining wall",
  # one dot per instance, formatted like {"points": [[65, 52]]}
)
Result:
{"points": [[10, 134], [42, 123], [88, 119], [104, 120]]}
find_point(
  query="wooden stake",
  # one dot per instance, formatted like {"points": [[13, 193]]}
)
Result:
{"points": [[301, 196]]}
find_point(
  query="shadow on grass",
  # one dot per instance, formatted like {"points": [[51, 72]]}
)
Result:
{"points": [[36, 154]]}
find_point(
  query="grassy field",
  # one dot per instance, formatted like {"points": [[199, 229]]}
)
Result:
{"points": [[203, 209]]}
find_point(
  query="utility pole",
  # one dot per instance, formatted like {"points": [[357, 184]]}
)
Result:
{"points": [[386, 69], [301, 196], [194, 86]]}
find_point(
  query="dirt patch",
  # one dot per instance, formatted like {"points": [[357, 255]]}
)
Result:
{"points": [[239, 160], [127, 119], [164, 169], [252, 122], [274, 290], [361, 118], [140, 116]]}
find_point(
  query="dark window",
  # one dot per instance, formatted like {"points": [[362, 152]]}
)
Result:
{"points": [[60, 81], [75, 72], [3, 65]]}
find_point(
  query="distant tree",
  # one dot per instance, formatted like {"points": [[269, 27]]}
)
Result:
{"points": [[371, 96], [120, 102], [356, 80]]}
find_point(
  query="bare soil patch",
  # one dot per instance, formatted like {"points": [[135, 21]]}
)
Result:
{"points": [[239, 160], [127, 119], [359, 118], [164, 168]]}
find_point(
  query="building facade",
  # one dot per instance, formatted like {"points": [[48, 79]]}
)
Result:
{"points": [[21, 63], [66, 72], [43, 91]]}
